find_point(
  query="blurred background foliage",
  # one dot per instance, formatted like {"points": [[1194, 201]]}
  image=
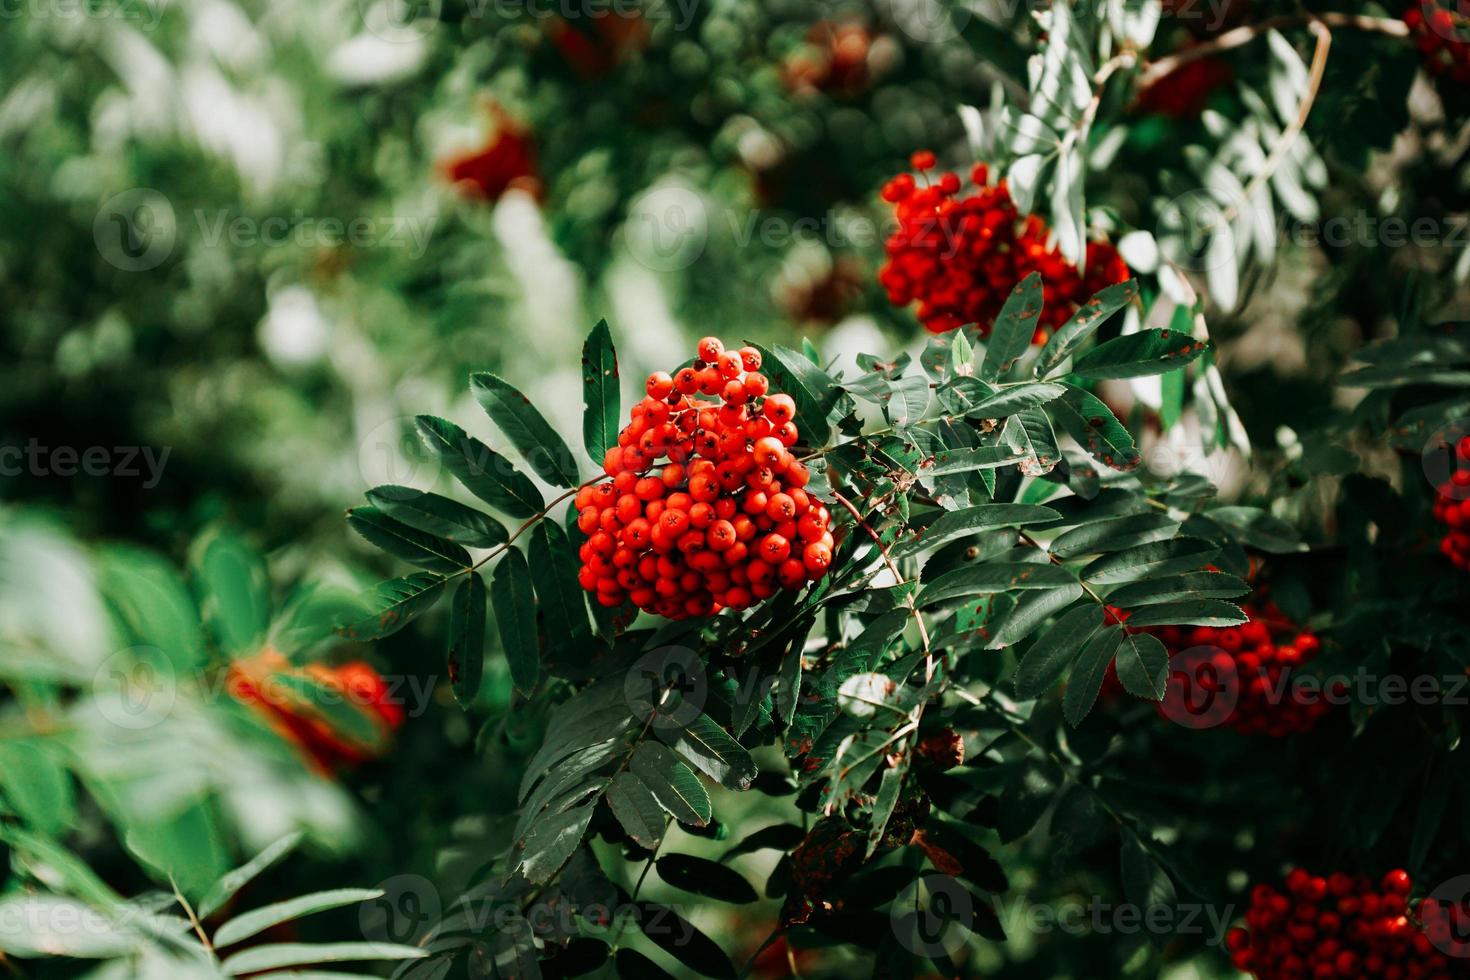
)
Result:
{"points": [[255, 238]]}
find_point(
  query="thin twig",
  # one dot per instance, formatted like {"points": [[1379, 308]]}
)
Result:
{"points": [[1240, 36], [1283, 145], [193, 919], [898, 576]]}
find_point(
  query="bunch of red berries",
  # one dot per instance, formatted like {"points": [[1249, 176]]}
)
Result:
{"points": [[1242, 675], [1338, 926], [1453, 507], [1442, 36], [725, 521], [960, 257]]}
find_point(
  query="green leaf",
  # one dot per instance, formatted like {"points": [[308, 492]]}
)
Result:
{"points": [[484, 472], [677, 789], [53, 925], [258, 920], [675, 935], [514, 949], [971, 520], [539, 444], [1143, 666], [55, 867], [1029, 432], [394, 604], [223, 890], [153, 604], [1096, 429], [813, 390], [964, 460], [601, 399], [1080, 325], [910, 399], [466, 661], [233, 589], [1030, 611], [1114, 534], [1189, 612], [36, 784], [890, 787], [515, 618], [776, 837], [633, 965], [637, 810], [702, 876], [554, 574], [1087, 675], [962, 354], [1015, 328], [1154, 558], [985, 579], [437, 515], [1145, 883], [712, 751], [551, 842], [1139, 354], [419, 547], [1190, 585], [1015, 398], [273, 956], [1055, 650], [348, 720], [1029, 790]]}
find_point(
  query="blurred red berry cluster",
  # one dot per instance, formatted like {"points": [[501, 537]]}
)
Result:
{"points": [[1338, 926], [723, 523], [1441, 31], [959, 256], [507, 159], [264, 682], [1452, 508]]}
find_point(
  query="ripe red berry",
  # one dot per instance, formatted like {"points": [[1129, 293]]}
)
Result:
{"points": [[710, 349], [780, 408], [922, 160], [659, 385]]}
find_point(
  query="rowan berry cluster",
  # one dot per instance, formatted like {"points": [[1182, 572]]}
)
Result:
{"points": [[1251, 666], [264, 683], [1338, 926], [1453, 508], [1442, 37], [960, 257], [726, 520]]}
